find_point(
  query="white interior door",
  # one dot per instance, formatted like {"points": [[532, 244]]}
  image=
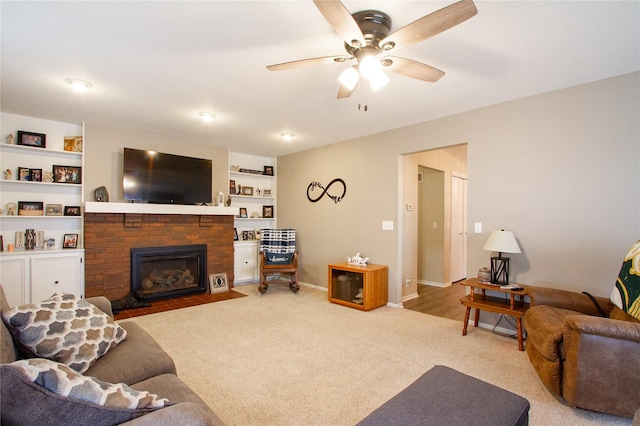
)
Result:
{"points": [[458, 228]]}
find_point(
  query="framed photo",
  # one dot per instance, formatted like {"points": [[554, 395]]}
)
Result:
{"points": [[268, 170], [54, 210], [267, 212], [35, 175], [67, 174], [266, 193], [247, 236], [218, 283], [70, 241], [49, 243], [235, 234], [38, 140], [72, 210], [243, 212], [24, 173], [247, 190], [232, 187], [73, 143], [30, 208]]}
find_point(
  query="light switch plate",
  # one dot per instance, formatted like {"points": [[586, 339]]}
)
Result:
{"points": [[387, 225], [477, 227]]}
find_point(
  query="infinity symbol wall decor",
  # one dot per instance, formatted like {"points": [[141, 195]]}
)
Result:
{"points": [[336, 198]]}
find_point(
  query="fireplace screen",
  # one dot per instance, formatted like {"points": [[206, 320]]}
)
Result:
{"points": [[164, 272]]}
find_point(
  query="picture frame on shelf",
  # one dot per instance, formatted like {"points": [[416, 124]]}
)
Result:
{"points": [[73, 143], [268, 170], [248, 236], [218, 283], [235, 234], [35, 175], [54, 210], [37, 140], [72, 211], [67, 174], [30, 208], [232, 187], [247, 190], [266, 192], [243, 212], [24, 174], [267, 212], [49, 243], [70, 241]]}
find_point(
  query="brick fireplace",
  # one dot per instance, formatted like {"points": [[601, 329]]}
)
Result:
{"points": [[109, 238]]}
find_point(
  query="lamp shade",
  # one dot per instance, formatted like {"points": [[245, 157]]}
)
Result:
{"points": [[502, 242]]}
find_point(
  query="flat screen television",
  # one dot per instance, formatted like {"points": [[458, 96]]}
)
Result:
{"points": [[154, 177]]}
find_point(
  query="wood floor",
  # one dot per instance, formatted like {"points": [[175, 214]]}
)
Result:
{"points": [[441, 302]]}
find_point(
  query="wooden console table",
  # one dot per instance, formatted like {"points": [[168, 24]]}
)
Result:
{"points": [[480, 301]]}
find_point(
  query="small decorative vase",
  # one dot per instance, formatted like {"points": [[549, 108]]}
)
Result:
{"points": [[484, 275]]}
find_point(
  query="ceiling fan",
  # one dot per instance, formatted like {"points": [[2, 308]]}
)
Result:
{"points": [[366, 36]]}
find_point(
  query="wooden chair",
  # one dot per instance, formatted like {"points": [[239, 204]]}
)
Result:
{"points": [[278, 259]]}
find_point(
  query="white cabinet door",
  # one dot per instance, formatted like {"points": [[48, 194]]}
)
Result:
{"points": [[13, 277], [245, 261], [56, 274]]}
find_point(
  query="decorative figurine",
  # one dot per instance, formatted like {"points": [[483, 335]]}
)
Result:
{"points": [[358, 259], [8, 174], [10, 139], [11, 209]]}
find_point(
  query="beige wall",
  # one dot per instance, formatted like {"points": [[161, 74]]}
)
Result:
{"points": [[560, 170], [103, 157]]}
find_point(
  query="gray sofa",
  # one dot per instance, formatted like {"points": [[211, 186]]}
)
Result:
{"points": [[138, 361]]}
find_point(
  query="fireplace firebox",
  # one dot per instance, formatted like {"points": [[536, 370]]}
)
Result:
{"points": [[170, 271]]}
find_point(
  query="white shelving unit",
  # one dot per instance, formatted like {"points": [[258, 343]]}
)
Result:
{"points": [[246, 248], [28, 274]]}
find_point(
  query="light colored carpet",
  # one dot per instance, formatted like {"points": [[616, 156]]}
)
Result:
{"points": [[296, 359]]}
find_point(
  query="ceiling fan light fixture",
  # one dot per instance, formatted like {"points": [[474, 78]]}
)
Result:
{"points": [[349, 78], [378, 80], [369, 65]]}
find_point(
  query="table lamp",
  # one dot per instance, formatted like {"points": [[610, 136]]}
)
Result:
{"points": [[503, 242]]}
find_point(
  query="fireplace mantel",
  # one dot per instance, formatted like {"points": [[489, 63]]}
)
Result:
{"points": [[142, 208]]}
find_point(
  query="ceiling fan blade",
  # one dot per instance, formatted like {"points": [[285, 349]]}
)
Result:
{"points": [[344, 92], [306, 62], [413, 69], [341, 20], [430, 25]]}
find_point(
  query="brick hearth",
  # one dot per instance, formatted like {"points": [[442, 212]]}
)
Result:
{"points": [[108, 237]]}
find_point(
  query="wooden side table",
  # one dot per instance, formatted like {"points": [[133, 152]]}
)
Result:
{"points": [[514, 307], [362, 287]]}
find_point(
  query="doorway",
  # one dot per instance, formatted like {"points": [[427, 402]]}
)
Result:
{"points": [[434, 235]]}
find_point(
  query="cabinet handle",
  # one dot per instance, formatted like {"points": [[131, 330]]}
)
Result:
{"points": [[56, 282]]}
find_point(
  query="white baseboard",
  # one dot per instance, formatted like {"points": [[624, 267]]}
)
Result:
{"points": [[434, 284], [410, 296]]}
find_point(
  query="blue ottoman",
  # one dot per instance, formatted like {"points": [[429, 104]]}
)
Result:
{"points": [[443, 396]]}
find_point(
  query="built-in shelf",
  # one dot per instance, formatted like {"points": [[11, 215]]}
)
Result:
{"points": [[142, 208]]}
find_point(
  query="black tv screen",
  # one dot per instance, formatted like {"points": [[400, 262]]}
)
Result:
{"points": [[154, 177]]}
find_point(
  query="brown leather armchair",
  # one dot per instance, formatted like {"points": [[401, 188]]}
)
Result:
{"points": [[593, 362]]}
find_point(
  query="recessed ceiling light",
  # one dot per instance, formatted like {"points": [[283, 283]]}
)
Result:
{"points": [[288, 137], [207, 116], [79, 85]]}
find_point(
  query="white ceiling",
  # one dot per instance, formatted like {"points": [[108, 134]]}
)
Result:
{"points": [[155, 65]]}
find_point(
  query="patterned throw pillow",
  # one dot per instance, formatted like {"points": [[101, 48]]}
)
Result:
{"points": [[61, 380], [64, 328], [626, 293]]}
